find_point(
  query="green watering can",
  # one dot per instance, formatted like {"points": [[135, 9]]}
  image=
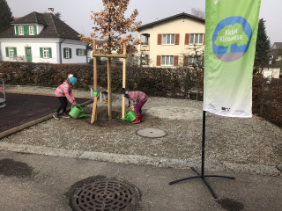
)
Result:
{"points": [[129, 115], [77, 112]]}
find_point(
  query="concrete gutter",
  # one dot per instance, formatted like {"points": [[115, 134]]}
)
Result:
{"points": [[141, 160]]}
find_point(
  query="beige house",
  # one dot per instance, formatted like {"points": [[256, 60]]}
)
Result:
{"points": [[172, 42]]}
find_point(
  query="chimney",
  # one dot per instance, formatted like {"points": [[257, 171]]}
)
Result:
{"points": [[51, 10]]}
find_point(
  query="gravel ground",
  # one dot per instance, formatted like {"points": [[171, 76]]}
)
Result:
{"points": [[234, 140]]}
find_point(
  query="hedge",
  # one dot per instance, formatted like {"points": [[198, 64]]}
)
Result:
{"points": [[162, 82], [153, 81]]}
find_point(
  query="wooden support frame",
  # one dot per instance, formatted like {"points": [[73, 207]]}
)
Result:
{"points": [[123, 81], [94, 110], [124, 56], [111, 55]]}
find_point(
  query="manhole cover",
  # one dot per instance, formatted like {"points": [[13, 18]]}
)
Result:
{"points": [[105, 196], [151, 133]]}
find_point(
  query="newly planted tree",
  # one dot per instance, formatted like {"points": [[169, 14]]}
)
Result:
{"points": [[111, 26]]}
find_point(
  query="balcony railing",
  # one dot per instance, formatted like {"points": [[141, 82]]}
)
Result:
{"points": [[144, 47]]}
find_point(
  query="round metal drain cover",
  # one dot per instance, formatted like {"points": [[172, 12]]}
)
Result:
{"points": [[151, 133], [105, 195]]}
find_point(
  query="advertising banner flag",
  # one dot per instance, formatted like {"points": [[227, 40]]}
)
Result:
{"points": [[230, 45]]}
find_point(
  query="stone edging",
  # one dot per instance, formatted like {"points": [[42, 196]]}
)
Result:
{"points": [[29, 124], [141, 160], [40, 94]]}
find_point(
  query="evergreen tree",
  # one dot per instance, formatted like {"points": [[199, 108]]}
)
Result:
{"points": [[263, 45], [58, 14], [5, 16]]}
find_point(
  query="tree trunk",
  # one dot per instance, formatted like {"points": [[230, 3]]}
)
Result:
{"points": [[109, 89], [109, 72]]}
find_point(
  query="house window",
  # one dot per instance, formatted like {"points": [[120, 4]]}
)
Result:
{"points": [[46, 53], [196, 38], [67, 53], [168, 39], [197, 60], [11, 52], [80, 52], [21, 30], [145, 59], [167, 60], [31, 30]]}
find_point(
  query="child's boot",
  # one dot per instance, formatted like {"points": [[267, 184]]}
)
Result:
{"points": [[141, 118], [56, 115], [137, 120], [65, 115]]}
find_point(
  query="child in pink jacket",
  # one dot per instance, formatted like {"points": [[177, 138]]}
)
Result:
{"points": [[139, 99], [64, 94]]}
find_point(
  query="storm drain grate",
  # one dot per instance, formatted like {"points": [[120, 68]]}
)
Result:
{"points": [[106, 195]]}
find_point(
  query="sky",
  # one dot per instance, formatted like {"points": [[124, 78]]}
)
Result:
{"points": [[77, 13]]}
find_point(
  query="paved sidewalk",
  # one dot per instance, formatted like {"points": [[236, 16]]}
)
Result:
{"points": [[43, 183]]}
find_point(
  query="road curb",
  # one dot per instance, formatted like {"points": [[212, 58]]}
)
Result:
{"points": [[29, 124], [142, 160]]}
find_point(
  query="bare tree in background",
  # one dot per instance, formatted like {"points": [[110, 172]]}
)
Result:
{"points": [[198, 12], [195, 62]]}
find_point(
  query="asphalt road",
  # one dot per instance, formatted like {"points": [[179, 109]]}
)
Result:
{"points": [[30, 182]]}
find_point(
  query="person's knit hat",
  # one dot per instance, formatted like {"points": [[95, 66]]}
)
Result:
{"points": [[73, 80], [124, 92], [70, 76]]}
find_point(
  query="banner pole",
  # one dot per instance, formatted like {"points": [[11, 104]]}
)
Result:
{"points": [[202, 175], [203, 143]]}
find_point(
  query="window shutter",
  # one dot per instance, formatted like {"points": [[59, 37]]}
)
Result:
{"points": [[35, 30], [41, 52], [26, 31], [17, 30], [204, 39], [159, 60], [15, 52], [175, 63], [64, 53], [7, 52], [50, 52], [187, 38], [70, 53], [77, 51], [186, 61], [177, 39], [85, 52], [159, 39]]}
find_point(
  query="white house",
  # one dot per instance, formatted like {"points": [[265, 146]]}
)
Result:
{"points": [[44, 38]]}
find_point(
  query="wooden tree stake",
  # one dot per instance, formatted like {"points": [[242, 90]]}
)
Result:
{"points": [[94, 110], [123, 80], [109, 89]]}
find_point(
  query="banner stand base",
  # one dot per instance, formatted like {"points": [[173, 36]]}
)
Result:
{"points": [[202, 175]]}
